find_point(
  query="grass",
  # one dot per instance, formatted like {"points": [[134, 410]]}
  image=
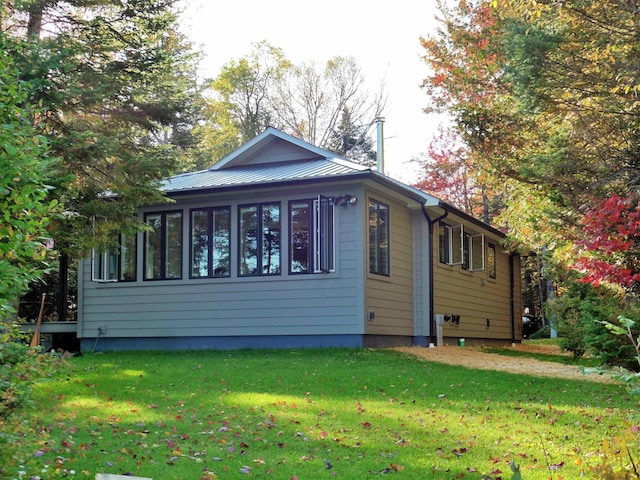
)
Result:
{"points": [[543, 341], [310, 414], [546, 357]]}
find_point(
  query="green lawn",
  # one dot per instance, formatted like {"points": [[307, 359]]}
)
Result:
{"points": [[312, 414], [587, 362]]}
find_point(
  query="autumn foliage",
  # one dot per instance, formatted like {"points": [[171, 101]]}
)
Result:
{"points": [[543, 99], [610, 243]]}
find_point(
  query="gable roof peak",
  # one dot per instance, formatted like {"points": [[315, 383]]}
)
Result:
{"points": [[278, 143]]}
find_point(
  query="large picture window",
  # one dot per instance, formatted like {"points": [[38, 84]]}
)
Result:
{"points": [[163, 246], [117, 264], [379, 251], [311, 236], [210, 242], [259, 239]]}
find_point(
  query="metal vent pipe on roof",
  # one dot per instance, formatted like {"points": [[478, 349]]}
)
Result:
{"points": [[380, 145]]}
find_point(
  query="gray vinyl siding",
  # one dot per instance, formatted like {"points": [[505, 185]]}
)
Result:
{"points": [[421, 275], [310, 304]]}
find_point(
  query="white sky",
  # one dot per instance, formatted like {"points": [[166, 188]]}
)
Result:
{"points": [[384, 41]]}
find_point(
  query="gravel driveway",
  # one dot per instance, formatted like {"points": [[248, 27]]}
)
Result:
{"points": [[473, 357]]}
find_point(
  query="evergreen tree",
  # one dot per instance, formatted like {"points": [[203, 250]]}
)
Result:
{"points": [[115, 80]]}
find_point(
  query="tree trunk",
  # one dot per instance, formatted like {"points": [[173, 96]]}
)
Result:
{"points": [[34, 26], [485, 205]]}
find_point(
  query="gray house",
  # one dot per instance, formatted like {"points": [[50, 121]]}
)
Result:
{"points": [[283, 244]]}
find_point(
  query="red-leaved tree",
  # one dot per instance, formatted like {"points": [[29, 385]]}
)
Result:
{"points": [[446, 172], [609, 243]]}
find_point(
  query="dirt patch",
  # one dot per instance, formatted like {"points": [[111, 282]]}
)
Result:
{"points": [[473, 357]]}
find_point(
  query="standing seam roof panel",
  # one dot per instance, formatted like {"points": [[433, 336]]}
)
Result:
{"points": [[257, 174]]}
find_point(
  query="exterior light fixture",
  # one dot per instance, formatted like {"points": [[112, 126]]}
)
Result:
{"points": [[344, 200]]}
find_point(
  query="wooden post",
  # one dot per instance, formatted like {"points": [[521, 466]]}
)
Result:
{"points": [[35, 340]]}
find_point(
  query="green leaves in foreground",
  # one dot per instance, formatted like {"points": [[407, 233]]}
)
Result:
{"points": [[25, 172], [310, 414]]}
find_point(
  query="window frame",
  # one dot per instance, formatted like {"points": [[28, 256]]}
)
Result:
{"points": [[474, 248], [325, 235], [320, 256], [211, 215], [451, 239], [259, 239], [106, 256], [461, 247], [377, 236], [492, 259], [456, 244], [164, 246]]}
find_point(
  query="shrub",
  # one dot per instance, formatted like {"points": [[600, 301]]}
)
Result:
{"points": [[20, 366], [581, 314], [544, 332]]}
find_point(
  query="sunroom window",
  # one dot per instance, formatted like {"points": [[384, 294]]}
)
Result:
{"points": [[163, 246], [311, 236], [210, 242], [117, 264], [259, 228]]}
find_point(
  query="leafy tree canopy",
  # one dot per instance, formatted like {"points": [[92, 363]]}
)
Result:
{"points": [[329, 107], [26, 166], [545, 96]]}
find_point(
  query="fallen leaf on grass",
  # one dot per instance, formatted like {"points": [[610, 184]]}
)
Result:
{"points": [[459, 451]]}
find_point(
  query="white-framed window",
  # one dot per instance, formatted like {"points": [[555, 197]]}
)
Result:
{"points": [[458, 247], [311, 236], [473, 252], [451, 244], [117, 264]]}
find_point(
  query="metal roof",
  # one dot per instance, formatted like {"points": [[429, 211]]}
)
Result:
{"points": [[261, 174]]}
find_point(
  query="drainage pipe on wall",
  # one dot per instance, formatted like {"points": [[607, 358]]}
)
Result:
{"points": [[512, 290], [432, 316]]}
